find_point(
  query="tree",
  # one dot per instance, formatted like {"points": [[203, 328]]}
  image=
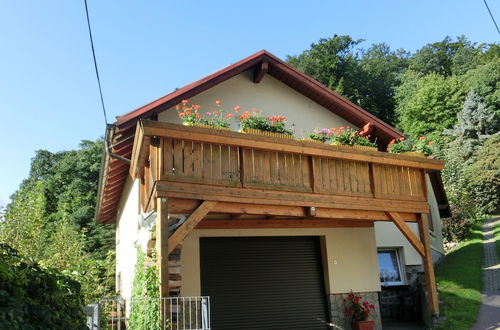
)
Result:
{"points": [[475, 124], [485, 81], [50, 218], [366, 80], [428, 104], [445, 57], [333, 62], [381, 68]]}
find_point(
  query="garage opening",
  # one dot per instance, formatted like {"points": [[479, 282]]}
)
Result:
{"points": [[264, 282]]}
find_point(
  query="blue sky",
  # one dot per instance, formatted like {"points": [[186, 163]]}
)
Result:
{"points": [[145, 49]]}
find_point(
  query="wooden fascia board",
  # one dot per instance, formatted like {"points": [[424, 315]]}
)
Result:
{"points": [[274, 223], [177, 205], [154, 128], [140, 152], [260, 196], [406, 231], [180, 234]]}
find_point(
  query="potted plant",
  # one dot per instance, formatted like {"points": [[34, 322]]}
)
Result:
{"points": [[254, 122], [321, 134], [358, 311], [347, 136], [192, 116], [420, 147]]}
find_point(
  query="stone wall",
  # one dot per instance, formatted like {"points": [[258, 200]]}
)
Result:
{"points": [[174, 272], [337, 305]]}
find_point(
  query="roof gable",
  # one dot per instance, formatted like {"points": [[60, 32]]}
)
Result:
{"points": [[263, 63]]}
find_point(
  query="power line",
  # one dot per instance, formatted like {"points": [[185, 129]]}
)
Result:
{"points": [[95, 63], [493, 18]]}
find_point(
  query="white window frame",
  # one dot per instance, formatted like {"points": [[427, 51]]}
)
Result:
{"points": [[402, 274]]}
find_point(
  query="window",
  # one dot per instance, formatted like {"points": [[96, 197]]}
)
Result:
{"points": [[431, 221], [389, 264]]}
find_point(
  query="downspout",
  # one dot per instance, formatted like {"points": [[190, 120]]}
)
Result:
{"points": [[108, 144]]}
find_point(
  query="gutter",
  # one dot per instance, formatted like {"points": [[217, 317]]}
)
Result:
{"points": [[106, 156]]}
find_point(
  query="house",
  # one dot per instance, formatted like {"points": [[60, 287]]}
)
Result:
{"points": [[276, 231]]}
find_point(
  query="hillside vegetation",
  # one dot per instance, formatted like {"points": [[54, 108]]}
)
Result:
{"points": [[448, 91]]}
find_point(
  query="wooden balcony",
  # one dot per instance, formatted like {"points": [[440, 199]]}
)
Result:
{"points": [[225, 179], [208, 164]]}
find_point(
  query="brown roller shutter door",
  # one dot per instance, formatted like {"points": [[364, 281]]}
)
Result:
{"points": [[264, 282]]}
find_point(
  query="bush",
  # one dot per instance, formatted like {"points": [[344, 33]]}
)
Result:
{"points": [[145, 306], [456, 227], [32, 297], [483, 176]]}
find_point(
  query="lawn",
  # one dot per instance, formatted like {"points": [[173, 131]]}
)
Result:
{"points": [[459, 281]]}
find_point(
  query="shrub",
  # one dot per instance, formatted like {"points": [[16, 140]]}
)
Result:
{"points": [[483, 176], [456, 227], [145, 307], [33, 297]]}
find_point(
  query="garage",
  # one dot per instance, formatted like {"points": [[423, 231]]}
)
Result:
{"points": [[264, 282]]}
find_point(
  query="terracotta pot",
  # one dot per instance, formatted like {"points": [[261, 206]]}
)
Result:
{"points": [[363, 325]]}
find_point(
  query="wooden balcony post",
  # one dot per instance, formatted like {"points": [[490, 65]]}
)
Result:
{"points": [[428, 266], [162, 244]]}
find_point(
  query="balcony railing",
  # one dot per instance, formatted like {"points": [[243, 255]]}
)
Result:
{"points": [[211, 157]]}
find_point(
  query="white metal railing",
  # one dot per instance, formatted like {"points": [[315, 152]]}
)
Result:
{"points": [[174, 313]]}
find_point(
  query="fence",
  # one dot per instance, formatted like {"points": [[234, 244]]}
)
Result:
{"points": [[175, 313]]}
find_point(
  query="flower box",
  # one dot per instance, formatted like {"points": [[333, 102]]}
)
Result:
{"points": [[363, 325], [267, 133], [212, 127], [346, 146], [413, 153]]}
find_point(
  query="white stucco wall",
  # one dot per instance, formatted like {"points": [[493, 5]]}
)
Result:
{"points": [[271, 96], [388, 235], [129, 236], [353, 249]]}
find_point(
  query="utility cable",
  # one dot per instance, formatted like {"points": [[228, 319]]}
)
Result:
{"points": [[493, 18], [95, 63]]}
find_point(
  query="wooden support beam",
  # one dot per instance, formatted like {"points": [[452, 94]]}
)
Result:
{"points": [[270, 197], [260, 71], [162, 244], [410, 236], [280, 223], [180, 234], [178, 205], [428, 266]]}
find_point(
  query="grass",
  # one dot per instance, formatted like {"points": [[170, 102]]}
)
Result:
{"points": [[459, 281]]}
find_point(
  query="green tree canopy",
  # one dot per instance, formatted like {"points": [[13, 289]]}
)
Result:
{"points": [[50, 218], [428, 104]]}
